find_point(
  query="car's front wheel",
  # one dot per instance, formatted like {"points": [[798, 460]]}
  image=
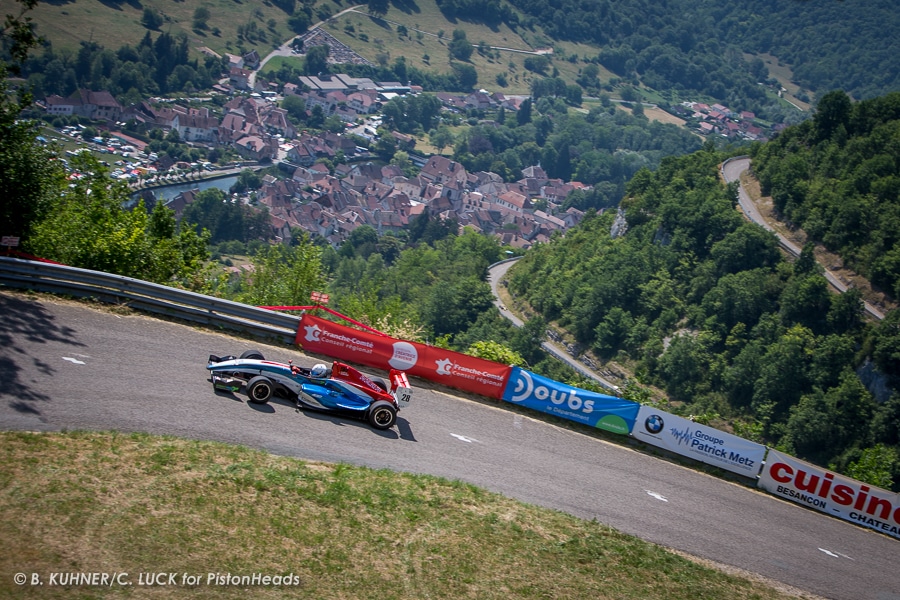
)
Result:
{"points": [[260, 389], [382, 415]]}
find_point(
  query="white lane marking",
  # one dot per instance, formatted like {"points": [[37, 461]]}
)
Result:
{"points": [[463, 438], [73, 360], [657, 496], [834, 554]]}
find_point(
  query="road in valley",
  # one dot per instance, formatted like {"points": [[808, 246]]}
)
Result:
{"points": [[731, 171], [69, 366]]}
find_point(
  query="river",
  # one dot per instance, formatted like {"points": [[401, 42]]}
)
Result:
{"points": [[167, 192]]}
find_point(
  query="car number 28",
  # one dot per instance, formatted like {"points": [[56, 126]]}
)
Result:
{"points": [[403, 395]]}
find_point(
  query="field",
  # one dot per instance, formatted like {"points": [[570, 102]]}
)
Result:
{"points": [[114, 24], [784, 75], [133, 506], [428, 34]]}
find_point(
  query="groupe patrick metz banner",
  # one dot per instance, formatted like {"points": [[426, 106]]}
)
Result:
{"points": [[833, 494], [546, 395], [446, 367], [699, 442]]}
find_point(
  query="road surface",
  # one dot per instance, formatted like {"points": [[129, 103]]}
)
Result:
{"points": [[69, 366]]}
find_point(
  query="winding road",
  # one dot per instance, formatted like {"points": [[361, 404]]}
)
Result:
{"points": [[70, 366], [731, 171]]}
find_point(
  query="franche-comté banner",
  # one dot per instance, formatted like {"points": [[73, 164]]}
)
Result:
{"points": [[453, 369], [546, 395], [706, 444], [830, 493]]}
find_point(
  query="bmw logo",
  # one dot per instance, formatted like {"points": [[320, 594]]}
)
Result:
{"points": [[654, 424]]}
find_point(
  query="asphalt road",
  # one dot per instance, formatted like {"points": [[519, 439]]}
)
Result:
{"points": [[731, 171], [495, 275], [69, 366]]}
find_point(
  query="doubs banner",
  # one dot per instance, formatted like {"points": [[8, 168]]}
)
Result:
{"points": [[546, 395], [830, 493], [699, 442], [446, 367]]}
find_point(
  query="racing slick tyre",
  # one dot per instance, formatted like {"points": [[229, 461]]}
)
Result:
{"points": [[380, 383], [382, 415], [260, 389], [253, 354]]}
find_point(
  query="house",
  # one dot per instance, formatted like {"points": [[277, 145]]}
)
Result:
{"points": [[478, 101], [195, 125], [239, 78], [254, 147], [86, 103], [275, 121], [440, 169], [251, 60], [363, 102], [404, 142], [514, 201], [235, 61]]}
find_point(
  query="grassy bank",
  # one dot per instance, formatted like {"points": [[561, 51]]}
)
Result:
{"points": [[112, 504]]}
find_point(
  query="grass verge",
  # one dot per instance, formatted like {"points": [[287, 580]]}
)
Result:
{"points": [[142, 505]]}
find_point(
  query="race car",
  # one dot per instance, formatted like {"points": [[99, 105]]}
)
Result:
{"points": [[339, 389]]}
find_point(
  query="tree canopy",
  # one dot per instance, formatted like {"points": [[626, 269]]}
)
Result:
{"points": [[701, 304]]}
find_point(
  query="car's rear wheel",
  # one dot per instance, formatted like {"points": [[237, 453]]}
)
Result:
{"points": [[380, 383], [382, 415], [260, 389], [254, 354]]}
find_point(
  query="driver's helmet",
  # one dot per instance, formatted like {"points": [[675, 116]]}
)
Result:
{"points": [[318, 370]]}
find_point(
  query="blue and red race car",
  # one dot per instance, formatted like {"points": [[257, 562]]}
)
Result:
{"points": [[339, 389]]}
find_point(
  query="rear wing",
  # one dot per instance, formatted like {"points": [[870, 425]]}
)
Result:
{"points": [[400, 388]]}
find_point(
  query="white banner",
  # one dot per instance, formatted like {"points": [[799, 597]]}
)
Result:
{"points": [[699, 442], [830, 493]]}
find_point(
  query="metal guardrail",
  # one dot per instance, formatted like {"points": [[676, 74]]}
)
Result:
{"points": [[149, 297]]}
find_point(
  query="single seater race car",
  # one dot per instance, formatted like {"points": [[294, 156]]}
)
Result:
{"points": [[340, 389]]}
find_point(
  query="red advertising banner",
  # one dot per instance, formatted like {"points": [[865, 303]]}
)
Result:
{"points": [[446, 367], [831, 493]]}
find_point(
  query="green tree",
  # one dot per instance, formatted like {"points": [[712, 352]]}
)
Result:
{"points": [[441, 138], [151, 19], [875, 466], [466, 75], [89, 228], [832, 114], [284, 275], [452, 306], [528, 340], [362, 242], [460, 48], [497, 352], [316, 60], [379, 8], [30, 176], [202, 15]]}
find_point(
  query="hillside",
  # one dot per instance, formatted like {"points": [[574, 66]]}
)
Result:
{"points": [[679, 51], [699, 303], [837, 177]]}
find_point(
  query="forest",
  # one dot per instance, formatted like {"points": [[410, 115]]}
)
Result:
{"points": [[696, 46], [702, 305], [837, 177]]}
